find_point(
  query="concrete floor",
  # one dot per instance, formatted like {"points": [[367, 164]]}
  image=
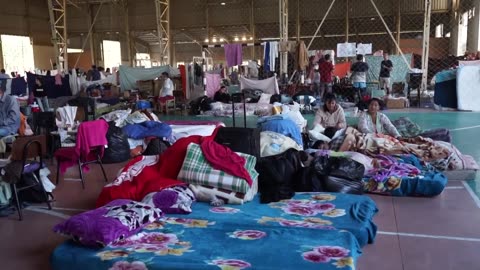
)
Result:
{"points": [[414, 233]]}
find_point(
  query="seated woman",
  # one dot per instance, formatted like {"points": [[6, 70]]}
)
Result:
{"points": [[221, 95], [331, 114], [376, 122]]}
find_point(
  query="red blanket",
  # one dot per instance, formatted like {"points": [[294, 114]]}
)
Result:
{"points": [[146, 174]]}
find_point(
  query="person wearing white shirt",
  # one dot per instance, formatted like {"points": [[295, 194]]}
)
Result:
{"points": [[167, 89], [166, 93]]}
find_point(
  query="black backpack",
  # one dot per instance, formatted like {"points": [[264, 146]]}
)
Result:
{"points": [[34, 194], [200, 104]]}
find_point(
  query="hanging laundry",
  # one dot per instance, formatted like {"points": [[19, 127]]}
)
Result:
{"points": [[273, 54], [18, 86], [266, 56], [58, 79], [213, 83], [48, 85], [302, 55], [233, 54], [287, 46]]}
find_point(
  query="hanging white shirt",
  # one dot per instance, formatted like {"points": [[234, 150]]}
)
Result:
{"points": [[167, 89]]}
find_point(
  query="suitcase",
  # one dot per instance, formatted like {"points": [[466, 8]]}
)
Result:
{"points": [[238, 139]]}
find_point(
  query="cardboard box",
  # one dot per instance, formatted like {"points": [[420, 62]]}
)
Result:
{"points": [[396, 103]]}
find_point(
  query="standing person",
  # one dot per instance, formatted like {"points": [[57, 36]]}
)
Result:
{"points": [[359, 76], [326, 73], [3, 74], [316, 83], [95, 73], [385, 68], [166, 93], [9, 114]]}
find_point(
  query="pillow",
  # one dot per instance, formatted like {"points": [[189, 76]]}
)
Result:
{"points": [[272, 144], [317, 134], [109, 224], [197, 171], [175, 200], [265, 98]]}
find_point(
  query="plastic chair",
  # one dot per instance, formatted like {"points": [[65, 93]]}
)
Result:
{"points": [[70, 154], [26, 150]]}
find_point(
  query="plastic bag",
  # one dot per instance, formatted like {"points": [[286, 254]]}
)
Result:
{"points": [[118, 149], [339, 167]]}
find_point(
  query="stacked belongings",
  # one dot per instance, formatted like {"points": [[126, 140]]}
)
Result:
{"points": [[218, 175]]}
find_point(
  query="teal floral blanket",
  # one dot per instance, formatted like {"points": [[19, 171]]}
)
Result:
{"points": [[310, 231]]}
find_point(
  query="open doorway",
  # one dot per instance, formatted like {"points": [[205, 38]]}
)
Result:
{"points": [[17, 52], [112, 54]]}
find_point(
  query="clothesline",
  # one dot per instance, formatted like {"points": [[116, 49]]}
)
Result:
{"points": [[223, 45]]}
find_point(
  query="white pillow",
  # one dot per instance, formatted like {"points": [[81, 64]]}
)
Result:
{"points": [[317, 134], [265, 98]]}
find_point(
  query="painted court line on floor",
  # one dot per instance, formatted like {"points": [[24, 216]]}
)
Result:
{"points": [[455, 187], [465, 128], [472, 193], [443, 237]]}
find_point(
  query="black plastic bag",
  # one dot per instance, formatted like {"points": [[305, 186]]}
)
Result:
{"points": [[307, 180], [156, 147], [339, 167], [277, 176], [118, 149], [342, 185]]}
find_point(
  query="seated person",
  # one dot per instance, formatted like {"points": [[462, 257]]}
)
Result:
{"points": [[9, 115], [221, 95], [376, 122], [331, 114]]}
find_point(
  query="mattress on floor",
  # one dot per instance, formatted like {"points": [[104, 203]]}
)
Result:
{"points": [[468, 92], [461, 175], [353, 213], [310, 231]]}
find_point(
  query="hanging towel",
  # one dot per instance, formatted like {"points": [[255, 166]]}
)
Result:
{"points": [[266, 57], [213, 84], [233, 54], [222, 158], [273, 54], [269, 86], [302, 56], [58, 79]]}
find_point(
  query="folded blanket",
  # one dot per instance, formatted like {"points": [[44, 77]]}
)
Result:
{"points": [[227, 196], [196, 170]]}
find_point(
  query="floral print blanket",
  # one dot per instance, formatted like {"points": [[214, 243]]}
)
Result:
{"points": [[403, 175], [310, 231]]}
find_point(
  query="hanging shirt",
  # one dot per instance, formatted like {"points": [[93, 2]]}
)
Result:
{"points": [[273, 54]]}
